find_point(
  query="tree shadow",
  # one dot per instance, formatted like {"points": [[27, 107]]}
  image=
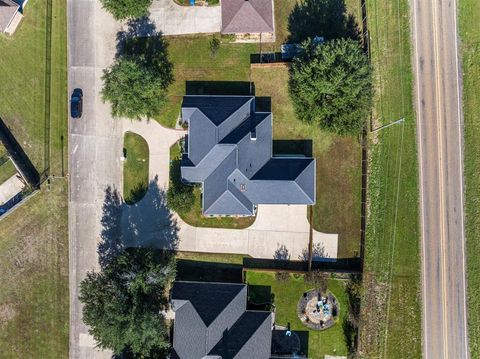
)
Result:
{"points": [[148, 223], [240, 88], [293, 147], [111, 244], [318, 253], [142, 27], [325, 18], [281, 253]]}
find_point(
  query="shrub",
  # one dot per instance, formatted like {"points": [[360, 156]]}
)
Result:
{"points": [[282, 276]]}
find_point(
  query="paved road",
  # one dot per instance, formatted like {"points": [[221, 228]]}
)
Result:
{"points": [[95, 142], [440, 139]]}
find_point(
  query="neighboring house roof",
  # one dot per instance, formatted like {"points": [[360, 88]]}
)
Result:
{"points": [[211, 320], [8, 10], [247, 16], [229, 150]]}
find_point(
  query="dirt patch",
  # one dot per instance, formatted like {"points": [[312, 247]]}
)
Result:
{"points": [[7, 314]]}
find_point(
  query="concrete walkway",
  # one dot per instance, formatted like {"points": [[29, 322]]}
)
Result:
{"points": [[10, 188], [173, 19], [277, 227]]}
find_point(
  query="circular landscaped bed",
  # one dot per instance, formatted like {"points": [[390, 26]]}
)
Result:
{"points": [[317, 311]]}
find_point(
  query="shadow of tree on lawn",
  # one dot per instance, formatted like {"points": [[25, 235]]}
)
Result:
{"points": [[326, 18]]}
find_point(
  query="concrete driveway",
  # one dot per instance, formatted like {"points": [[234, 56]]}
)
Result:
{"points": [[173, 19]]}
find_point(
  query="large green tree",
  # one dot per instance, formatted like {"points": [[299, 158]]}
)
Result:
{"points": [[331, 84], [122, 303], [136, 83], [127, 9]]}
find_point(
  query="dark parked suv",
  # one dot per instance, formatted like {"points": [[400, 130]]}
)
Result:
{"points": [[76, 103]]}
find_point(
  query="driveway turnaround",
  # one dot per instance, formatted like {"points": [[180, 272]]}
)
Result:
{"points": [[173, 19], [440, 141], [277, 227]]}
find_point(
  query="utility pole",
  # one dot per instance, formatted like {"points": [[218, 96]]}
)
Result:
{"points": [[310, 241], [388, 125]]}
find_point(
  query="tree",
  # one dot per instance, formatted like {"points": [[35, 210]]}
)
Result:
{"points": [[214, 46], [122, 303], [135, 88], [331, 85], [127, 9], [180, 197], [318, 279]]}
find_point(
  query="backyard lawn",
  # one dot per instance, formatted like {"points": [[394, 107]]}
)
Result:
{"points": [[391, 310], [135, 168], [286, 296], [469, 17], [37, 120], [34, 297]]}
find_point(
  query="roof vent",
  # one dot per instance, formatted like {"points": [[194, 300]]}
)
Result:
{"points": [[243, 186]]}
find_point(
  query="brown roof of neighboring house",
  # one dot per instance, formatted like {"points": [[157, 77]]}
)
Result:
{"points": [[247, 16], [8, 9]]}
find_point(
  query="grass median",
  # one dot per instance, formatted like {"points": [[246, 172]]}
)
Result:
{"points": [[391, 310], [135, 168], [469, 22]]}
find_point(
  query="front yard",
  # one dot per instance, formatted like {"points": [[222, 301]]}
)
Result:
{"points": [[286, 296]]}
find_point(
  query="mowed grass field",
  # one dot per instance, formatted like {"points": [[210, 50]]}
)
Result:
{"points": [[391, 310], [469, 23], [24, 102], [34, 298]]}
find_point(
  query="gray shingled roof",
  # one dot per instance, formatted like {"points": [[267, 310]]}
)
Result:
{"points": [[211, 319], [247, 16], [230, 152], [8, 9]]}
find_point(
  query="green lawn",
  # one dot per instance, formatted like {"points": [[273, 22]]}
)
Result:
{"points": [[194, 66], [391, 310], [135, 168], [195, 216], [469, 22], [286, 296], [34, 297], [212, 257], [7, 170], [23, 85]]}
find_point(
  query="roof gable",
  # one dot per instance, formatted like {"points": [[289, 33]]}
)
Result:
{"points": [[8, 9], [208, 299]]}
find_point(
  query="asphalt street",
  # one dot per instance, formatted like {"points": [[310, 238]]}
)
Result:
{"points": [[95, 142], [440, 150]]}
